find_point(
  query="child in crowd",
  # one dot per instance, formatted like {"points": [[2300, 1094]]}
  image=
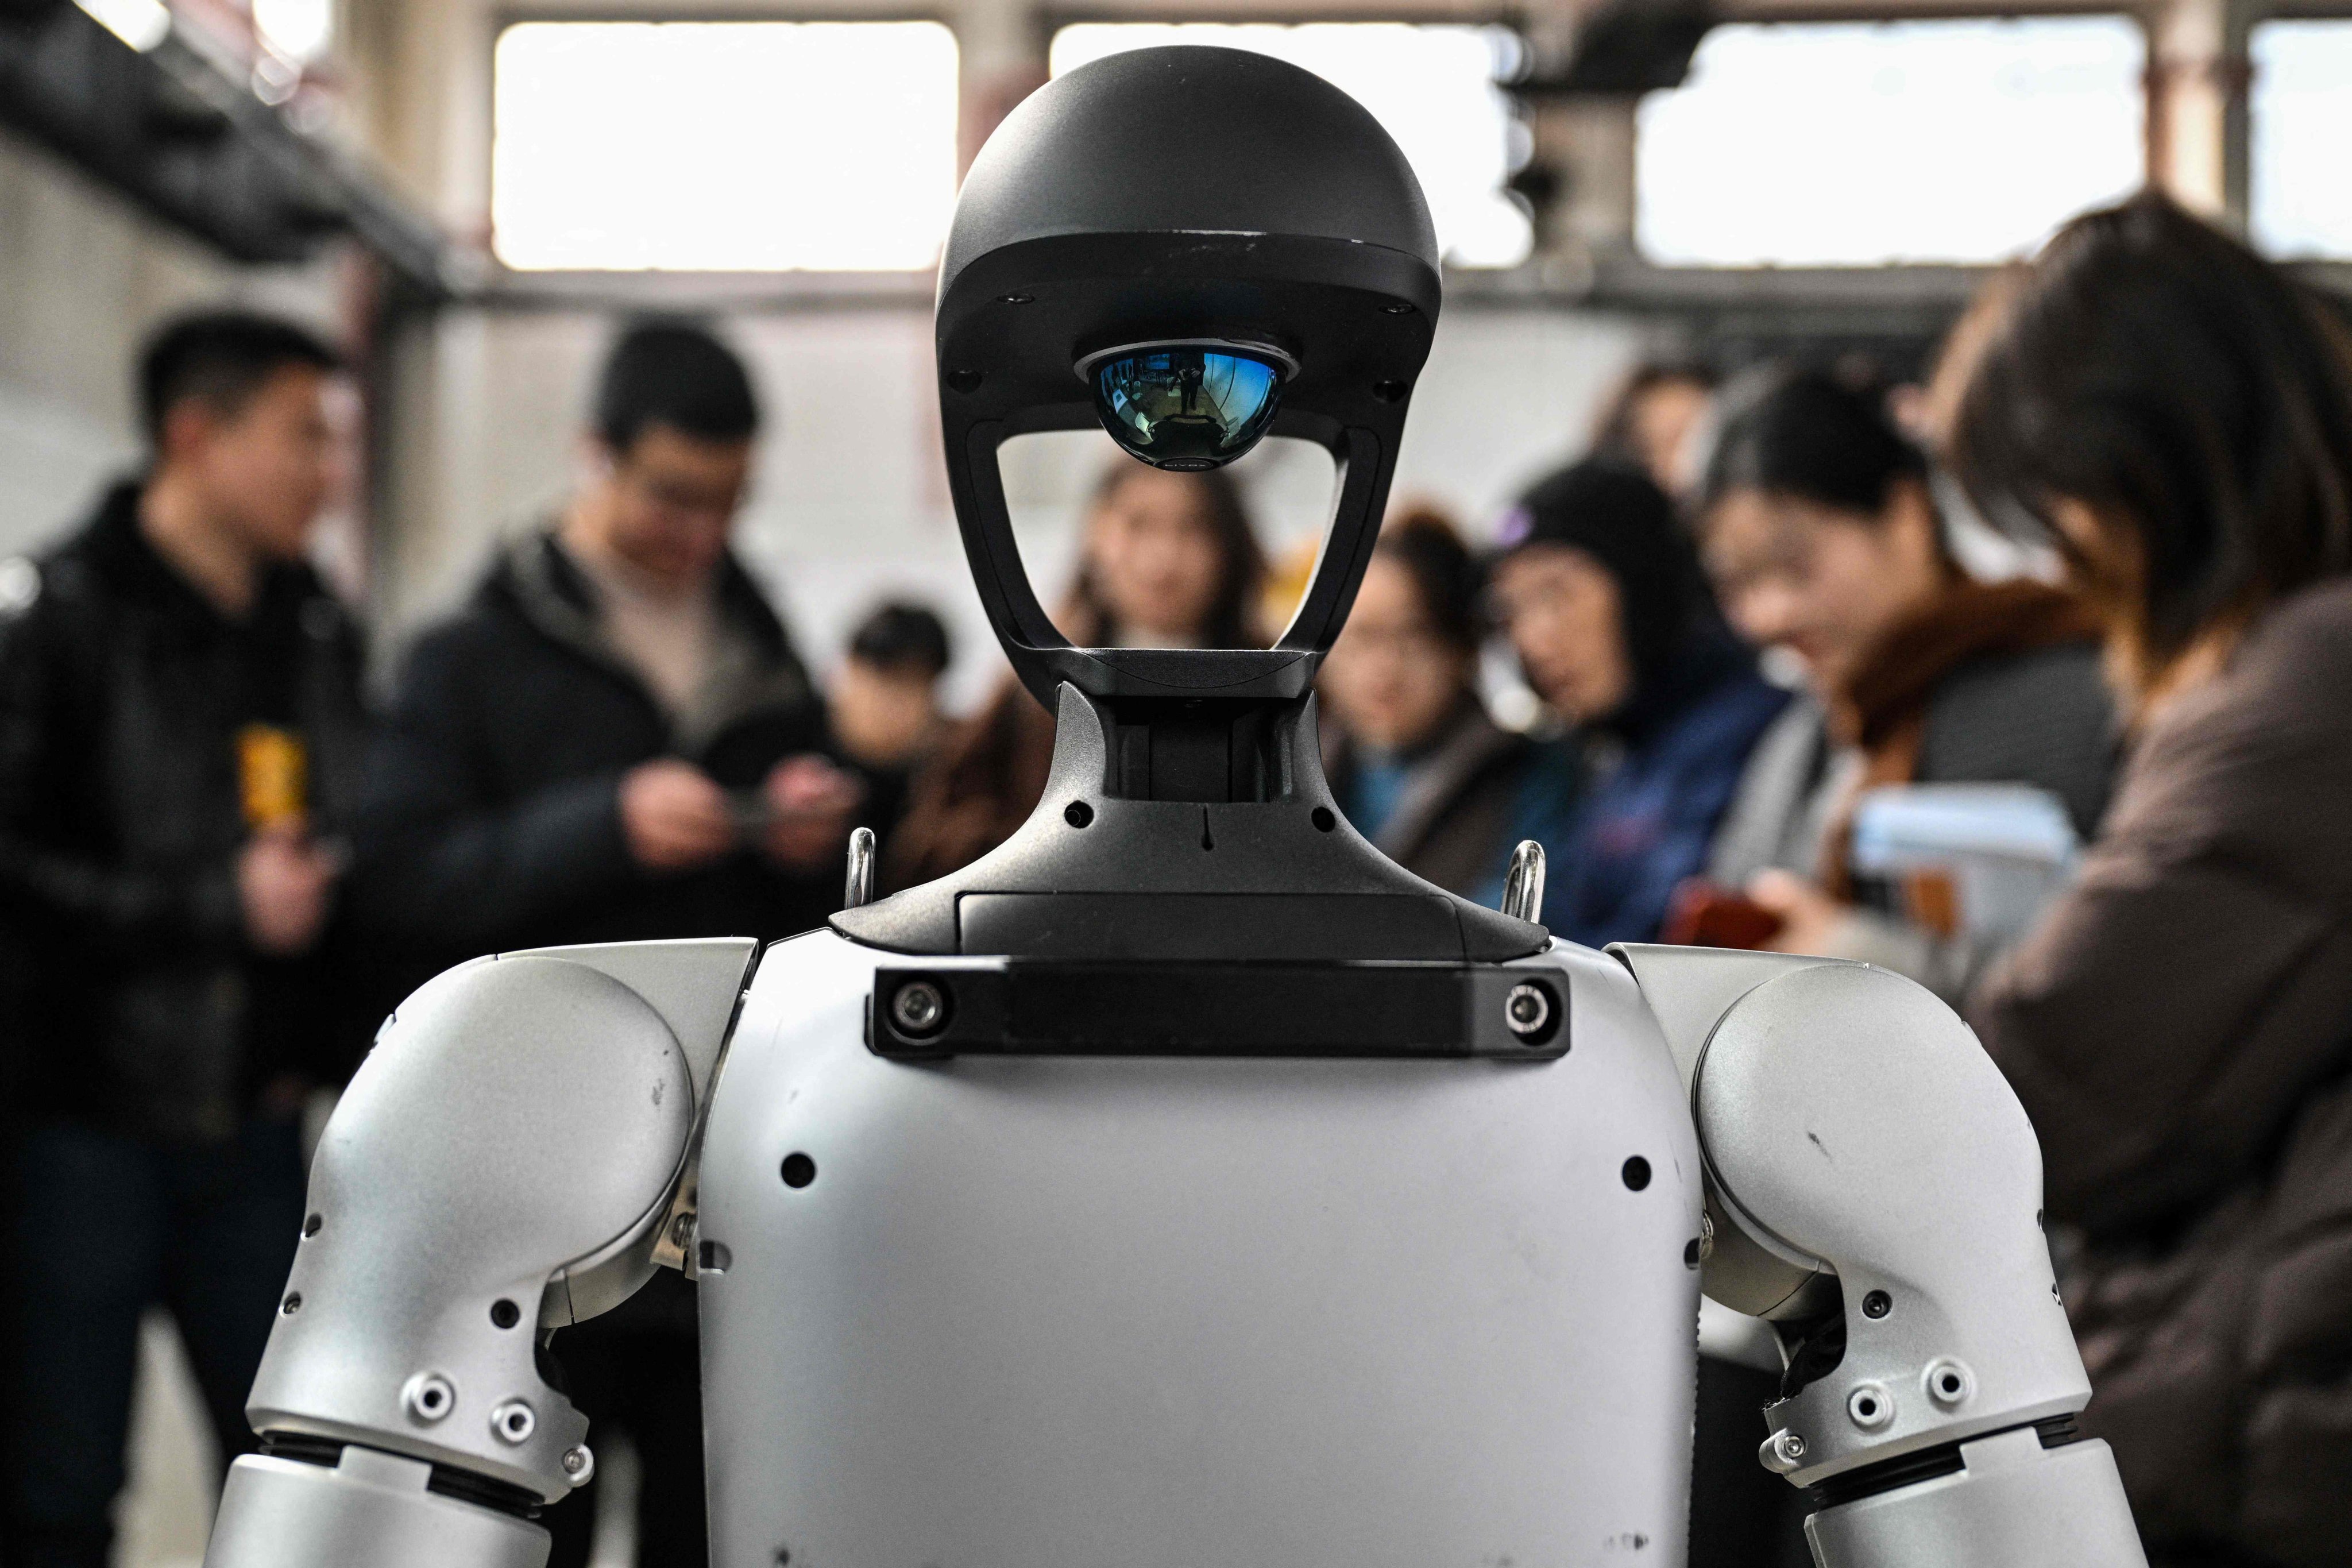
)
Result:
{"points": [[884, 702]]}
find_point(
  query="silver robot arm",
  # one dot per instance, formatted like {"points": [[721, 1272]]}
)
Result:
{"points": [[515, 1155], [1875, 1190]]}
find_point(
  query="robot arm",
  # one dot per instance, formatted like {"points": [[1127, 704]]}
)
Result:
{"points": [[1875, 1190], [515, 1155]]}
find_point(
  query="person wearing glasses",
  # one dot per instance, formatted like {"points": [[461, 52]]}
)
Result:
{"points": [[1417, 763], [614, 740]]}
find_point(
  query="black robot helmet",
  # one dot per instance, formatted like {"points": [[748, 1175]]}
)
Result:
{"points": [[1193, 247]]}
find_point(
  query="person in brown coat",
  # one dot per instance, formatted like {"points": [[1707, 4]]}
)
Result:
{"points": [[2175, 415], [1167, 560]]}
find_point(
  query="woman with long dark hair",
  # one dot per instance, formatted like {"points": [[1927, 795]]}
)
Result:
{"points": [[1166, 560], [2173, 415]]}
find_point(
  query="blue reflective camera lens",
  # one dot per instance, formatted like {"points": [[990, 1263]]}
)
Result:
{"points": [[1186, 408]]}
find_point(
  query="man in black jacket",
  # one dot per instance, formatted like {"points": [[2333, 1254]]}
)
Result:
{"points": [[180, 735], [615, 741]]}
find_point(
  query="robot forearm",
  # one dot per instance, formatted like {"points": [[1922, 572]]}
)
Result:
{"points": [[503, 1164], [1874, 1189]]}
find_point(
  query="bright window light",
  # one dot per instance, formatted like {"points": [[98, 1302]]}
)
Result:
{"points": [[1432, 87], [2302, 115], [723, 146], [141, 24], [299, 29], [1858, 145]]}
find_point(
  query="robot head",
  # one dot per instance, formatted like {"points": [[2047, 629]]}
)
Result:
{"points": [[1195, 249]]}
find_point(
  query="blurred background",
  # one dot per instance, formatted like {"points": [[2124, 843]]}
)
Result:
{"points": [[466, 195]]}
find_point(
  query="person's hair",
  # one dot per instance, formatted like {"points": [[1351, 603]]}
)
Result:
{"points": [[220, 358], [675, 374], [1614, 434], [2188, 393], [1613, 512], [903, 639], [984, 781], [1445, 576], [1233, 616], [1813, 435]]}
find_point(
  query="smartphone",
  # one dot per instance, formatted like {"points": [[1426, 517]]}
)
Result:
{"points": [[1706, 914]]}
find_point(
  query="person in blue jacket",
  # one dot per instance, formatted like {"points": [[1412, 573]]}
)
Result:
{"points": [[1601, 592]]}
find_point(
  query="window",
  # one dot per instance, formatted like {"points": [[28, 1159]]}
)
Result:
{"points": [[723, 145], [1432, 88], [2301, 122], [295, 30], [141, 24], [1858, 145]]}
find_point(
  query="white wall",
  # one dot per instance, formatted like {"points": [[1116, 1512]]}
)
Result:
{"points": [[82, 279], [851, 501]]}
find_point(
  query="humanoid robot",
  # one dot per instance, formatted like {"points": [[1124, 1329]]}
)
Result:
{"points": [[1182, 1183]]}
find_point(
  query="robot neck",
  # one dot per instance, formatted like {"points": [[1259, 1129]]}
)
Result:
{"points": [[1188, 828]]}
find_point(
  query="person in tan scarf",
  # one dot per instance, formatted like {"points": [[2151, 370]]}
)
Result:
{"points": [[1824, 540]]}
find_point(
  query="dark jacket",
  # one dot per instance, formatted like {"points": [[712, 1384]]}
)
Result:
{"points": [[2179, 1027], [1993, 682], [492, 813], [122, 693], [1452, 822], [975, 792], [1626, 814]]}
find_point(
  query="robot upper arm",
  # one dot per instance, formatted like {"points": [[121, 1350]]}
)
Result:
{"points": [[1874, 1187], [505, 1162]]}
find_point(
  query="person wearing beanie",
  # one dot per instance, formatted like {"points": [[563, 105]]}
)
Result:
{"points": [[1597, 588]]}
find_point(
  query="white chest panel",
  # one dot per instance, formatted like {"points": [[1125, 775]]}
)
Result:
{"points": [[1076, 1312]]}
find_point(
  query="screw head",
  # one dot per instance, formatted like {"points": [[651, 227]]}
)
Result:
{"points": [[514, 1422], [428, 1396], [1878, 1304], [1782, 1452], [292, 1304], [1869, 1407], [1949, 1382], [681, 1230], [579, 1465], [918, 1007], [1526, 1009]]}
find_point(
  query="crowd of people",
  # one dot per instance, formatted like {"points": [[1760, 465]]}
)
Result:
{"points": [[1745, 613]]}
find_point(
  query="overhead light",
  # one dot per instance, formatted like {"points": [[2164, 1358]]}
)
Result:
{"points": [[141, 24]]}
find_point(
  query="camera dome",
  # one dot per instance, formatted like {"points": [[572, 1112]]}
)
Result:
{"points": [[1185, 406]]}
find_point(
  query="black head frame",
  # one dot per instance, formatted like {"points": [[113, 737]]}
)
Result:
{"points": [[1183, 195], [1194, 196]]}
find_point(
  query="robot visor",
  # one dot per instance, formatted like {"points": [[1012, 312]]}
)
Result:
{"points": [[1186, 406]]}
